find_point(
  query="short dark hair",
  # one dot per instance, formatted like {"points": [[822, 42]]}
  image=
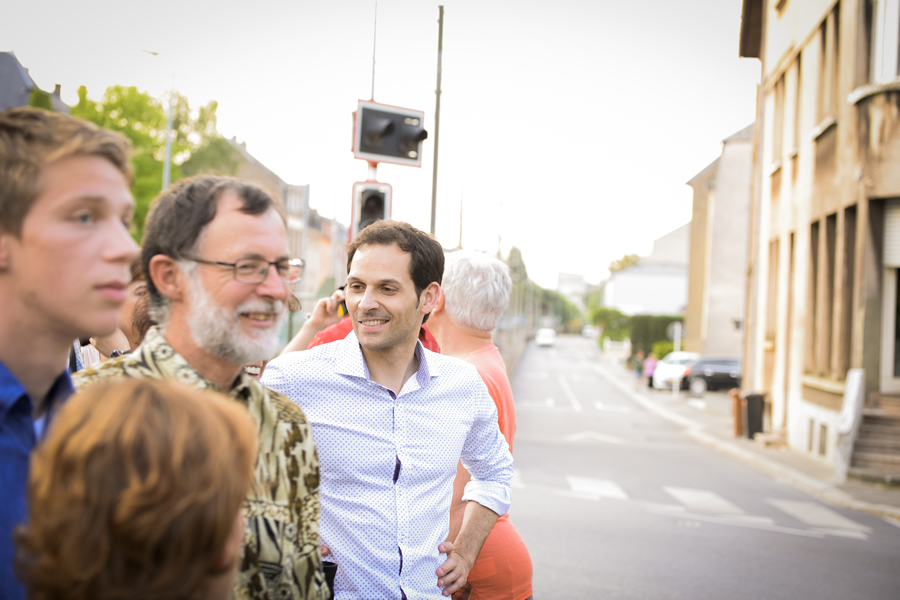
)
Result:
{"points": [[426, 265], [178, 217], [30, 140]]}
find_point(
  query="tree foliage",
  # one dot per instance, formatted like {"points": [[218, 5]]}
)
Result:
{"points": [[629, 260], [40, 99], [196, 145], [647, 330], [612, 323]]}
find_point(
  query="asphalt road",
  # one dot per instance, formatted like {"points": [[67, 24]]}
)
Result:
{"points": [[616, 502]]}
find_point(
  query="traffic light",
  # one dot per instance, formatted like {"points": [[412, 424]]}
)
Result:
{"points": [[371, 202], [383, 133]]}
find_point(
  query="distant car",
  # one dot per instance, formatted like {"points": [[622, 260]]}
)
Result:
{"points": [[589, 331], [671, 369], [712, 374], [545, 337]]}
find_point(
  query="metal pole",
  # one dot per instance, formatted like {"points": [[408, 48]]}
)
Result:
{"points": [[374, 34], [676, 347], [437, 118]]}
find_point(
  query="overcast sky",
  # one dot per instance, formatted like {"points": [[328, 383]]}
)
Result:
{"points": [[568, 128]]}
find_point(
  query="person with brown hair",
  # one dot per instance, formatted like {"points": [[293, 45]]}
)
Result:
{"points": [[215, 256], [136, 493], [65, 210]]}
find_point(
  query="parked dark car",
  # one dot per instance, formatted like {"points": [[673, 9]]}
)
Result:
{"points": [[713, 374]]}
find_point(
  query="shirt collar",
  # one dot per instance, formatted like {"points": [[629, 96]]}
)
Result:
{"points": [[174, 366], [350, 361], [11, 390]]}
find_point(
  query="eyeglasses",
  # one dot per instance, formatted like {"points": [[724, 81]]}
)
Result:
{"points": [[255, 270]]}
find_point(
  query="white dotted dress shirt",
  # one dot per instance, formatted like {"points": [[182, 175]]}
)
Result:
{"points": [[388, 462]]}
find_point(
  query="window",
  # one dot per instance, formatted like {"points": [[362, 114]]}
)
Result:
{"points": [[812, 297], [883, 18], [829, 65], [778, 121]]}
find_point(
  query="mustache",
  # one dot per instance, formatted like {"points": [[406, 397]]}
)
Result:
{"points": [[274, 307]]}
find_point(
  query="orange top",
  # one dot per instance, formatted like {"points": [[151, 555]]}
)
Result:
{"points": [[503, 569]]}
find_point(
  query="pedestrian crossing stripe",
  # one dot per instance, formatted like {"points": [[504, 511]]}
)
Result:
{"points": [[707, 506], [599, 488], [703, 500], [816, 515]]}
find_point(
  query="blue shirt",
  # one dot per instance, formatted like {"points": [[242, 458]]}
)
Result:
{"points": [[19, 432], [388, 462]]}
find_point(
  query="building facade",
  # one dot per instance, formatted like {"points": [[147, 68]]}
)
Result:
{"points": [[717, 269], [657, 285], [825, 228]]}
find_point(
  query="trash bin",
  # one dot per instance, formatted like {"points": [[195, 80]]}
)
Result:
{"points": [[754, 405]]}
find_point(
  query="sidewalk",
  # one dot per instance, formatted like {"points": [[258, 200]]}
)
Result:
{"points": [[708, 420]]}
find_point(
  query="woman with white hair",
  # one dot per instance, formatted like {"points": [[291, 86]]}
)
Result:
{"points": [[475, 292]]}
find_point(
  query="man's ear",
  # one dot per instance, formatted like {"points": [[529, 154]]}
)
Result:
{"points": [[167, 277], [439, 305], [430, 297]]}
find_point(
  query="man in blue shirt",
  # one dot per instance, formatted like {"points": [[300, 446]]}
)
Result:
{"points": [[65, 210]]}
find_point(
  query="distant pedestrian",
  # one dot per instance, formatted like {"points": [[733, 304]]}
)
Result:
{"points": [[649, 368], [638, 364], [136, 493], [65, 208], [391, 421]]}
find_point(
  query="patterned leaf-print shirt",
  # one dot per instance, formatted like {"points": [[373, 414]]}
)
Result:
{"points": [[281, 557]]}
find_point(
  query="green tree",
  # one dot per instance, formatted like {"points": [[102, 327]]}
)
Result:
{"points": [[629, 260], [40, 99], [612, 323], [196, 145]]}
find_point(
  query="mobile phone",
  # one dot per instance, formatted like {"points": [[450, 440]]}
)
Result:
{"points": [[342, 309]]}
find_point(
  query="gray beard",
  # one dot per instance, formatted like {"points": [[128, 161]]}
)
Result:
{"points": [[218, 332]]}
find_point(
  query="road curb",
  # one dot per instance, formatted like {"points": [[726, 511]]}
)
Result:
{"points": [[814, 487]]}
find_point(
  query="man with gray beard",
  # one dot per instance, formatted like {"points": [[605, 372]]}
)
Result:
{"points": [[217, 266]]}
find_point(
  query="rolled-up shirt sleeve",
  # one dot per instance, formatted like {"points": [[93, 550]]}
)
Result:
{"points": [[487, 457]]}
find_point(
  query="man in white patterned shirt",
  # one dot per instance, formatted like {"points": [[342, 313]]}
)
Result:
{"points": [[391, 419]]}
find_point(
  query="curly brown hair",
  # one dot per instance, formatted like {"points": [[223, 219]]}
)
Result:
{"points": [[134, 493]]}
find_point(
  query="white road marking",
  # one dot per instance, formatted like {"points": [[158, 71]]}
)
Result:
{"points": [[892, 521], [599, 488], [616, 408], [816, 515], [703, 500], [517, 481], [570, 394], [593, 435], [698, 404], [548, 403], [738, 522]]}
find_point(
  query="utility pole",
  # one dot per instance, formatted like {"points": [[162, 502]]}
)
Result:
{"points": [[437, 118]]}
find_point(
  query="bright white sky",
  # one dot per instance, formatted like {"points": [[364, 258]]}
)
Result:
{"points": [[568, 128]]}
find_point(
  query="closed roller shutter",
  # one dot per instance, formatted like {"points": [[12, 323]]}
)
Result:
{"points": [[892, 233]]}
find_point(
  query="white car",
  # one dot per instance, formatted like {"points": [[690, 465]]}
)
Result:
{"points": [[672, 368], [545, 337]]}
